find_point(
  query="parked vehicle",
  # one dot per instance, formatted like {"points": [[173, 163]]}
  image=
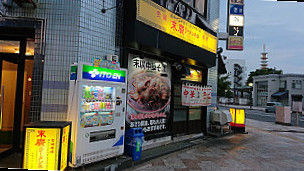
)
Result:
{"points": [[271, 106]]}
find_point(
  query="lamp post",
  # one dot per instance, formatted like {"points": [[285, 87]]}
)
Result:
{"points": [[250, 92]]}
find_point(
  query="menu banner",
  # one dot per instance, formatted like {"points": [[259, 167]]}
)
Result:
{"points": [[149, 94], [196, 95]]}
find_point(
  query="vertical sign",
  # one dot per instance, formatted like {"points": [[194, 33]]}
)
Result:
{"points": [[149, 94], [235, 25]]}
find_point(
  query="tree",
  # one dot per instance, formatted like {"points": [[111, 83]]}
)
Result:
{"points": [[223, 87], [262, 72]]}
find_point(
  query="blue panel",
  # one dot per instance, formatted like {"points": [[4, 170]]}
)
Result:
{"points": [[236, 9], [119, 142]]}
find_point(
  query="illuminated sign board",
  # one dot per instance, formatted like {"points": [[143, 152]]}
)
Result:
{"points": [[103, 74], [236, 31], [41, 149], [238, 117], [162, 19], [237, 2], [46, 148], [195, 75], [235, 42], [236, 20], [236, 9], [235, 25]]}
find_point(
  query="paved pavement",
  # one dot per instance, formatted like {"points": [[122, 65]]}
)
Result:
{"points": [[267, 146]]}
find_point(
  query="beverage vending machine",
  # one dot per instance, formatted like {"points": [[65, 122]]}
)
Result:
{"points": [[97, 104]]}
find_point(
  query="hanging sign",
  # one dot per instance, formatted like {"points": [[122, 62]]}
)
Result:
{"points": [[196, 95], [235, 25]]}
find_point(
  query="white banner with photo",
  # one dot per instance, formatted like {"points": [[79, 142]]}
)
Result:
{"points": [[196, 95]]}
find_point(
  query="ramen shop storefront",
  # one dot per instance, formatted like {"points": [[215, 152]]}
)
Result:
{"points": [[160, 51]]}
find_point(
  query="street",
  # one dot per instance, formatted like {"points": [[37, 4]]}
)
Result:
{"points": [[267, 146], [267, 117]]}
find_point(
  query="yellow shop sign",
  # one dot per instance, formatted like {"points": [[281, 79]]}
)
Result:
{"points": [[162, 19]]}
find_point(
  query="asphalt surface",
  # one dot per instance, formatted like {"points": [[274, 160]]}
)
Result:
{"points": [[267, 146], [267, 117]]}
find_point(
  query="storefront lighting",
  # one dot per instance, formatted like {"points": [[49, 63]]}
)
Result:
{"points": [[29, 79]]}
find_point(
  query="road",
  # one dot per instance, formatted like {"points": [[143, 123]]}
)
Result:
{"points": [[267, 117]]}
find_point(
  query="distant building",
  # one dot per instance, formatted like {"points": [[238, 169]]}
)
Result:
{"points": [[279, 88], [236, 71]]}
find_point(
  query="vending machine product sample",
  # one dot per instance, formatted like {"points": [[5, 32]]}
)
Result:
{"points": [[97, 102]]}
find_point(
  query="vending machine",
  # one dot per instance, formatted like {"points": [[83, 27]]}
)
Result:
{"points": [[97, 104]]}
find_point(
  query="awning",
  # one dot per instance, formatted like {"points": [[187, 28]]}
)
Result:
{"points": [[280, 94]]}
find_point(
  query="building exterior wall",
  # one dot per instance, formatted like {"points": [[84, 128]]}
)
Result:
{"points": [[229, 64], [273, 81], [75, 31], [213, 19]]}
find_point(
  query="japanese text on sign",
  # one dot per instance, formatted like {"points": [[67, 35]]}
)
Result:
{"points": [[193, 95], [160, 18], [149, 65]]}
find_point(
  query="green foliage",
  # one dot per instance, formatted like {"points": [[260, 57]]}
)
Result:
{"points": [[223, 87], [262, 72]]}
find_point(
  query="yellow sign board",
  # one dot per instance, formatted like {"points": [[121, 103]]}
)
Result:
{"points": [[64, 147], [195, 75], [238, 116], [41, 148], [162, 19]]}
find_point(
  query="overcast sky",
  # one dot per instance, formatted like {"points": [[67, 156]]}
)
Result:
{"points": [[280, 25]]}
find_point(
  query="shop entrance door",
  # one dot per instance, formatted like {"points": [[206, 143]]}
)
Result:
{"points": [[15, 91], [8, 95]]}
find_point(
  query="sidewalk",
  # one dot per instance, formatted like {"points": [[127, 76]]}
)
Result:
{"points": [[267, 146], [266, 142]]}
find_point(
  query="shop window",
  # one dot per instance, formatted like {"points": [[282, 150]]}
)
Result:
{"points": [[195, 114], [297, 84]]}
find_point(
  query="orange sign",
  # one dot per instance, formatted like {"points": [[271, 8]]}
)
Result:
{"points": [[162, 19]]}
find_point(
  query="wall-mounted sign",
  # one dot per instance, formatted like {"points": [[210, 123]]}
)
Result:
{"points": [[237, 2], [162, 19], [149, 94], [235, 43], [236, 9], [196, 95], [236, 20], [235, 25], [236, 31], [103, 74]]}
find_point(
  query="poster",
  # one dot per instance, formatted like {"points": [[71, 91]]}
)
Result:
{"points": [[196, 95], [149, 94]]}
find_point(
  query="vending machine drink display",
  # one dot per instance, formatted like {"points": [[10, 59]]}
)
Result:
{"points": [[97, 102]]}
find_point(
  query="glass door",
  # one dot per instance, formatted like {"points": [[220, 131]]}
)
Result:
{"points": [[7, 110]]}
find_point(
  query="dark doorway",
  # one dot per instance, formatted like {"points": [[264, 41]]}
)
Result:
{"points": [[16, 64]]}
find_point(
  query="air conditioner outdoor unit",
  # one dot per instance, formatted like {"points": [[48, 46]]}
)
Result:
{"points": [[221, 117]]}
